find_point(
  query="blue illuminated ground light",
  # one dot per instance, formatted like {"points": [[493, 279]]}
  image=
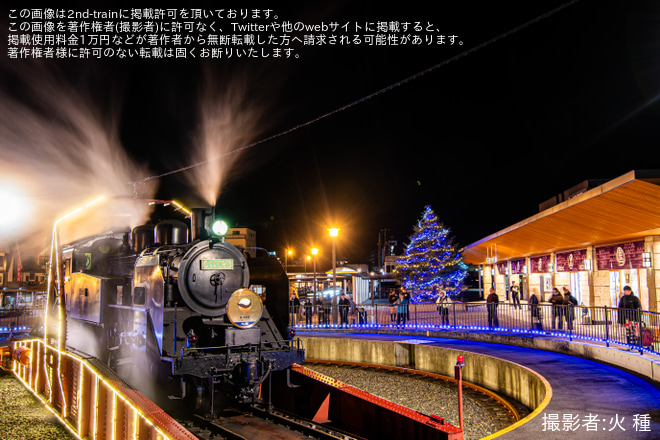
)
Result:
{"points": [[13, 329]]}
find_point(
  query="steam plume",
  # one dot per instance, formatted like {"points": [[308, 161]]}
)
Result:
{"points": [[61, 150], [229, 120]]}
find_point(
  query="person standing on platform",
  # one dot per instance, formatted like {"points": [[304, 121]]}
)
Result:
{"points": [[344, 306], [569, 303], [320, 311], [406, 294], [402, 309], [442, 305], [294, 307], [628, 306], [557, 301], [629, 316], [309, 311], [392, 299], [515, 295], [535, 310], [492, 301], [327, 310]]}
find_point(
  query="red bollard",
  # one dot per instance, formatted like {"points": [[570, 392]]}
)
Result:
{"points": [[459, 381]]}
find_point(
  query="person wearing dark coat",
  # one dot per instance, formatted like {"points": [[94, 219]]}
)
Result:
{"points": [[402, 309], [308, 311], [628, 306], [557, 301], [492, 300], [392, 299], [344, 307], [320, 309], [535, 311], [407, 295], [569, 303], [515, 295], [294, 307]]}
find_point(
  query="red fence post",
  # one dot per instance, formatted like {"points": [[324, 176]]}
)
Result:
{"points": [[459, 382]]}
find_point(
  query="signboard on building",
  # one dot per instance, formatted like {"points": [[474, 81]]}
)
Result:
{"points": [[572, 261], [540, 264], [517, 266], [501, 268], [620, 256]]}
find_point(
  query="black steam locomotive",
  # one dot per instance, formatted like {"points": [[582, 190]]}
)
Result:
{"points": [[179, 320]]}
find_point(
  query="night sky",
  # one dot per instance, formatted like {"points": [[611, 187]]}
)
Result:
{"points": [[483, 139]]}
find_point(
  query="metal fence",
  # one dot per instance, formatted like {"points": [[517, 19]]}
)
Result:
{"points": [[19, 319], [632, 329]]}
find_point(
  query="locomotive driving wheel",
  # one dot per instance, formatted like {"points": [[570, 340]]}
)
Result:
{"points": [[198, 394]]}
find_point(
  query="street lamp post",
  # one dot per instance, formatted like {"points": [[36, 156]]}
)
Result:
{"points": [[315, 252], [286, 260], [460, 362], [334, 233]]}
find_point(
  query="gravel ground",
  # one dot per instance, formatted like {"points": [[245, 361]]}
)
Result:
{"points": [[420, 394], [23, 417]]}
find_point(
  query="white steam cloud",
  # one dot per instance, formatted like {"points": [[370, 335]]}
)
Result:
{"points": [[229, 121], [60, 149]]}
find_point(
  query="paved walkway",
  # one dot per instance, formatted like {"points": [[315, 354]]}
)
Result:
{"points": [[590, 400]]}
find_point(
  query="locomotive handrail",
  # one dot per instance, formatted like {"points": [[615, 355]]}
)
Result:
{"points": [[262, 346]]}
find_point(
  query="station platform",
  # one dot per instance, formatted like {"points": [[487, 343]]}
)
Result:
{"points": [[585, 399]]}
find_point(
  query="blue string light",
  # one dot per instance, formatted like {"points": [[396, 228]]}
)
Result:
{"points": [[462, 328], [431, 260]]}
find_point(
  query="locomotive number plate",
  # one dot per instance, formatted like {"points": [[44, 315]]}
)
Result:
{"points": [[226, 264]]}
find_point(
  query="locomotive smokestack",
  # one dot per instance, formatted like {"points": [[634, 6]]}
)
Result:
{"points": [[200, 223]]}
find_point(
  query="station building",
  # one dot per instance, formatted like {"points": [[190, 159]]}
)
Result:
{"points": [[594, 239], [243, 237]]}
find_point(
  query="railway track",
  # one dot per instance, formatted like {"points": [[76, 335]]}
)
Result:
{"points": [[257, 423]]}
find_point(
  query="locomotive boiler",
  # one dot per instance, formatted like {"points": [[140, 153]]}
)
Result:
{"points": [[197, 323]]}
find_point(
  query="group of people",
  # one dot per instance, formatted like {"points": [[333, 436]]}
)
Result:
{"points": [[563, 304], [562, 307], [323, 309], [493, 301], [398, 304]]}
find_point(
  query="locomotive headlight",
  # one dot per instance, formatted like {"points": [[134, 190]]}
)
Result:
{"points": [[244, 308], [219, 227]]}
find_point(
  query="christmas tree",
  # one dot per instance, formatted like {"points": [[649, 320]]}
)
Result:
{"points": [[431, 261]]}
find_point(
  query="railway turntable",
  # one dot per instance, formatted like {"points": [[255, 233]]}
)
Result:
{"points": [[568, 397]]}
